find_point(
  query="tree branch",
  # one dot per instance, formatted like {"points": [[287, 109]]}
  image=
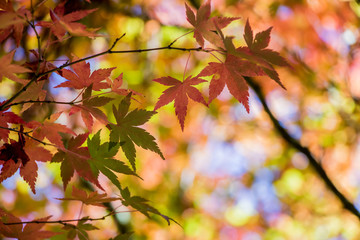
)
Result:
{"points": [[64, 222], [41, 101], [109, 51], [122, 227], [315, 163], [28, 135]]}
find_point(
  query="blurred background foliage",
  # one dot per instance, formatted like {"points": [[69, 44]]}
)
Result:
{"points": [[229, 175]]}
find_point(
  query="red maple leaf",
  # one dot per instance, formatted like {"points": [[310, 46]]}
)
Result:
{"points": [[257, 53], [204, 25], [179, 92], [74, 158], [9, 70], [62, 23], [82, 77], [12, 22], [13, 157], [31, 231], [94, 198], [228, 73]]}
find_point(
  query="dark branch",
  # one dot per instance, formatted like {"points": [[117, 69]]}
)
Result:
{"points": [[28, 135], [296, 144], [64, 222]]}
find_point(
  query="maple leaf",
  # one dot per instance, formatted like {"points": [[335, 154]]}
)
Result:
{"points": [[13, 157], [80, 229], [33, 92], [179, 92], [50, 130], [82, 77], [35, 151], [102, 159], [88, 108], [75, 158], [9, 70], [31, 231], [6, 118], [141, 205], [116, 84], [94, 198], [227, 74], [253, 60], [204, 25], [123, 236], [12, 22], [126, 130], [62, 23], [257, 53]]}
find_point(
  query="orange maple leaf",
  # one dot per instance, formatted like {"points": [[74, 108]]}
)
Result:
{"points": [[9, 70], [50, 130], [94, 198], [12, 22], [31, 231]]}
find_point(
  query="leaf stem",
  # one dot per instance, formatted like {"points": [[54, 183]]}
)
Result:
{"points": [[173, 42], [216, 57], [187, 61]]}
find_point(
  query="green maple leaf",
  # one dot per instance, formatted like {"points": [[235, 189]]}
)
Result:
{"points": [[79, 230], [142, 205], [126, 130], [123, 236], [102, 159]]}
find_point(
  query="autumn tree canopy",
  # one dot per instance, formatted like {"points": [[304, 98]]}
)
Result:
{"points": [[179, 119]]}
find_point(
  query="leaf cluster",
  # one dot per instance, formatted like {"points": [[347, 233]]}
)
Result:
{"points": [[88, 154]]}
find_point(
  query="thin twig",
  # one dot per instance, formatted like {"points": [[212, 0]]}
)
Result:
{"points": [[64, 222], [42, 101], [109, 51], [315, 163], [116, 40]]}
